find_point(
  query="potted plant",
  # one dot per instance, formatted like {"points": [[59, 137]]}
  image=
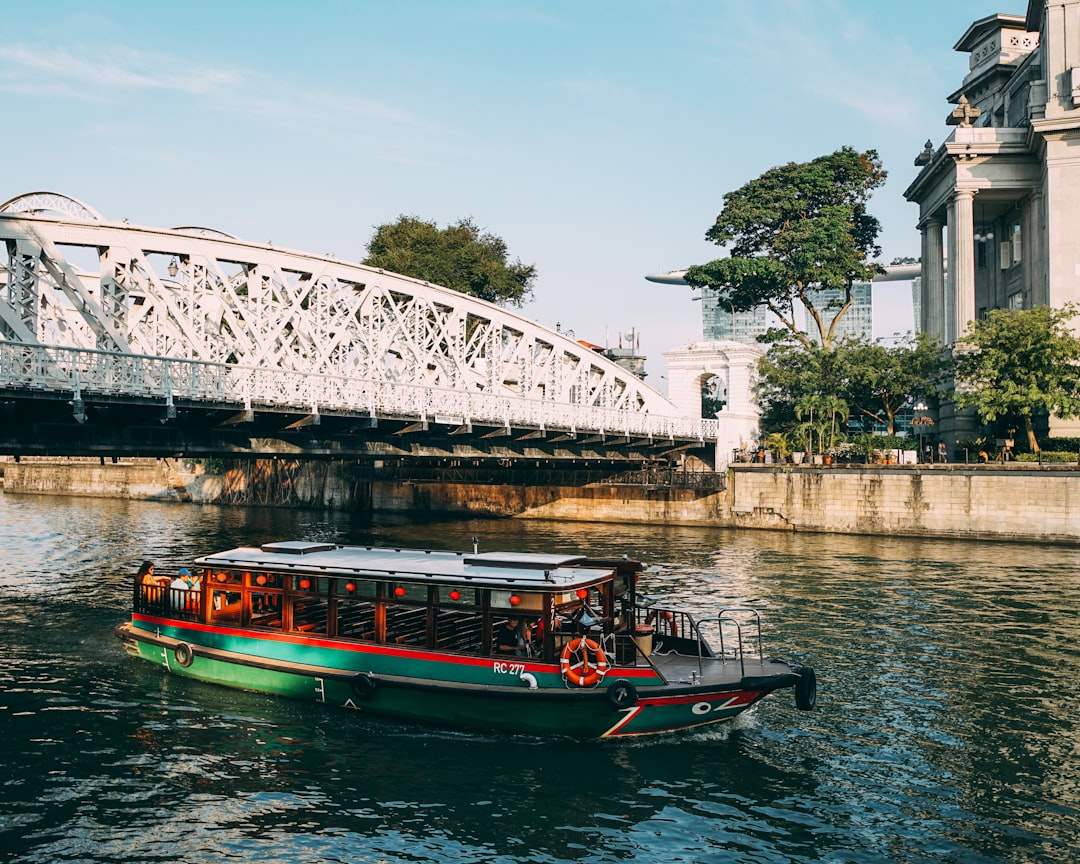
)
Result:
{"points": [[780, 445]]}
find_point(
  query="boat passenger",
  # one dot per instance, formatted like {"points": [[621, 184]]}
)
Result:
{"points": [[186, 582], [508, 638], [146, 575]]}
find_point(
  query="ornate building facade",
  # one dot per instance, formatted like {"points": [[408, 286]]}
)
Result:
{"points": [[999, 200]]}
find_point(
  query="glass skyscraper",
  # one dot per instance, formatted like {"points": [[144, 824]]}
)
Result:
{"points": [[857, 321], [719, 323]]}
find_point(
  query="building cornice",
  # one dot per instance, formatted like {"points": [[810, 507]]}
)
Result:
{"points": [[984, 27], [1056, 124]]}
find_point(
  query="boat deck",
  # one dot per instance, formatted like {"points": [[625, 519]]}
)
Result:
{"points": [[682, 669]]}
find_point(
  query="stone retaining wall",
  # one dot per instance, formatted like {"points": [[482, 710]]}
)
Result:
{"points": [[979, 502]]}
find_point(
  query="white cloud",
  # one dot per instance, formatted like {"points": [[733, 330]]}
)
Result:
{"points": [[118, 73], [118, 70]]}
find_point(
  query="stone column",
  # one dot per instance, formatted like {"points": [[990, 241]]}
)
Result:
{"points": [[923, 324], [962, 263], [933, 280]]}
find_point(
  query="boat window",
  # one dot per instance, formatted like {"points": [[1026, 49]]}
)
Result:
{"points": [[519, 600], [264, 580], [309, 614], [266, 609], [452, 596], [301, 582], [459, 630], [591, 597], [226, 577], [407, 614], [356, 619], [408, 593], [224, 605], [358, 588]]}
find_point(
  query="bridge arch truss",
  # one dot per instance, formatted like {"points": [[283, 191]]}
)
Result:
{"points": [[98, 307]]}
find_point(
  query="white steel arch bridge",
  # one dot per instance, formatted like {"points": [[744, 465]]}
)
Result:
{"points": [[97, 313]]}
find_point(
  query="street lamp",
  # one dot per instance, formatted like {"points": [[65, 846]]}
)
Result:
{"points": [[921, 420]]}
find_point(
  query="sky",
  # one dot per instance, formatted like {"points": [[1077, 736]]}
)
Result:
{"points": [[596, 137]]}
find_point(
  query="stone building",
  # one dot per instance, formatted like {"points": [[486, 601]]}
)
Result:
{"points": [[1000, 198]]}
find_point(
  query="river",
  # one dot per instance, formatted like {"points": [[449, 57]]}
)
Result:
{"points": [[946, 727]]}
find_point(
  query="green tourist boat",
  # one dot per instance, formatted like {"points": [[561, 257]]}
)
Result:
{"points": [[541, 644]]}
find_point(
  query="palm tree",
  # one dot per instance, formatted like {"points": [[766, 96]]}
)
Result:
{"points": [[805, 407], [835, 407]]}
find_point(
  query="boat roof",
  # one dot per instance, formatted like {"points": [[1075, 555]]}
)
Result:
{"points": [[522, 569]]}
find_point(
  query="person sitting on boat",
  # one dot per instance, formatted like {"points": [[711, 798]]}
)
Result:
{"points": [[146, 575], [508, 638], [187, 583]]}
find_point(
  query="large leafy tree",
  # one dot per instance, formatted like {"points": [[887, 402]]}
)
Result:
{"points": [[881, 380], [791, 377], [796, 228], [800, 387], [460, 257], [1017, 362]]}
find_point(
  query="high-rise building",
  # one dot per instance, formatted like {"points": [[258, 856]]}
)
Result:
{"points": [[858, 321], [720, 323]]}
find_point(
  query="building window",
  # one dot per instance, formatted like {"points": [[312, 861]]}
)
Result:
{"points": [[1016, 301], [1017, 244]]}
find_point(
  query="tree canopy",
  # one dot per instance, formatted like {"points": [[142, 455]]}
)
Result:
{"points": [[808, 390], [882, 380], [1016, 362], [795, 229], [459, 257]]}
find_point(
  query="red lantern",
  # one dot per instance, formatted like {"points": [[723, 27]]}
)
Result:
{"points": [[455, 594], [260, 579], [399, 591], [350, 586], [514, 600], [305, 583], [220, 577], [582, 593]]}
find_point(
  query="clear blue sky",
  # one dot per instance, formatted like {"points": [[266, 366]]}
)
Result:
{"points": [[597, 137]]}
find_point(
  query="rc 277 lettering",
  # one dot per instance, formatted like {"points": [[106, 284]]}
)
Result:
{"points": [[508, 668]]}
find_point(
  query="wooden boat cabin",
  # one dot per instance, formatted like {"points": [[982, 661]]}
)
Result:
{"points": [[451, 602]]}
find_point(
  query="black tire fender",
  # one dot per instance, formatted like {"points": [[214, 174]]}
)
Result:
{"points": [[805, 688], [363, 686], [622, 694], [184, 654]]}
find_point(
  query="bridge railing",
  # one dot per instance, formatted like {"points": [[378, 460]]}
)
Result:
{"points": [[86, 372]]}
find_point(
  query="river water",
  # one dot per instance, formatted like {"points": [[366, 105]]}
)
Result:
{"points": [[946, 727]]}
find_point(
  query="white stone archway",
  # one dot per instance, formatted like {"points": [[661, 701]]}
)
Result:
{"points": [[691, 367]]}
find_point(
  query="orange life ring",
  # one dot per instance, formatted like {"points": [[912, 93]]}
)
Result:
{"points": [[583, 662]]}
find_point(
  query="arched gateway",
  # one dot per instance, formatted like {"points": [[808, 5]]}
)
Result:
{"points": [[728, 370]]}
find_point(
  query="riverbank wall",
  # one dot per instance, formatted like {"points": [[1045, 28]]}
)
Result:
{"points": [[986, 502]]}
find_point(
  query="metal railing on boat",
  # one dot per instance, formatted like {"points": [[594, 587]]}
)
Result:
{"points": [[677, 631], [726, 617]]}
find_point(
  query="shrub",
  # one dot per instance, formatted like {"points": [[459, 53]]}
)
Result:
{"points": [[1061, 445], [1048, 456]]}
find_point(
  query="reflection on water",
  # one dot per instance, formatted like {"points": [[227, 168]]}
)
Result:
{"points": [[946, 726]]}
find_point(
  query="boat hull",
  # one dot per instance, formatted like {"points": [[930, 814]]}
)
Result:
{"points": [[437, 689]]}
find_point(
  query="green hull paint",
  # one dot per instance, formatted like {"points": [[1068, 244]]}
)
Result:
{"points": [[427, 690]]}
